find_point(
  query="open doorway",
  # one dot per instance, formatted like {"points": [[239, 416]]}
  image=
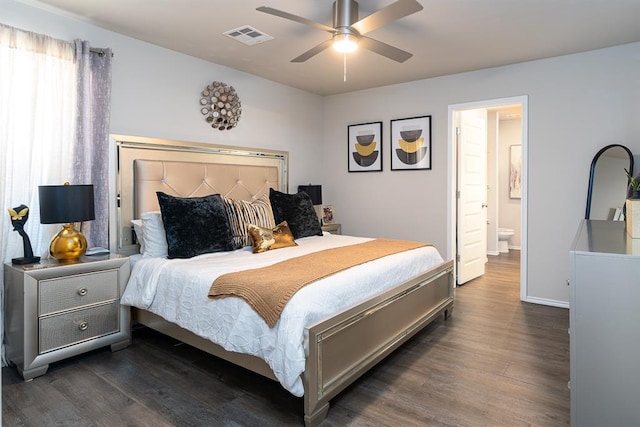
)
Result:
{"points": [[515, 193]]}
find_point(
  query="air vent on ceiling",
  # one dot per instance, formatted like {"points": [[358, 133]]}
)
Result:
{"points": [[248, 35]]}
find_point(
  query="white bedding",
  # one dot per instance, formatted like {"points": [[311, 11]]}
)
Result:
{"points": [[177, 291]]}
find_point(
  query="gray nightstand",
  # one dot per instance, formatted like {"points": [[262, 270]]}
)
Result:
{"points": [[332, 228], [55, 310]]}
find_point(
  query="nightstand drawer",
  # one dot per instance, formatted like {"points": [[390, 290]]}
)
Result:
{"points": [[70, 328], [69, 292]]}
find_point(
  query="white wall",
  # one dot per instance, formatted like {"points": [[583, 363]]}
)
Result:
{"points": [[156, 92], [509, 214], [577, 104]]}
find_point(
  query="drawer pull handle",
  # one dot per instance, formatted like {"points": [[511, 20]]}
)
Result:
{"points": [[82, 291], [83, 326]]}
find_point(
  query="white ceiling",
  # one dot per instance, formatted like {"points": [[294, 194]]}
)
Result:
{"points": [[446, 37]]}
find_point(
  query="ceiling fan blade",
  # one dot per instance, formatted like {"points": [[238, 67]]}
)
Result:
{"points": [[384, 49], [313, 51], [388, 14], [286, 15]]}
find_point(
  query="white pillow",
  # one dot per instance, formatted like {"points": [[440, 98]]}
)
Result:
{"points": [[155, 239], [137, 227]]}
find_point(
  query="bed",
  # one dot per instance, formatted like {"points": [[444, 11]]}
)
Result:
{"points": [[328, 351]]}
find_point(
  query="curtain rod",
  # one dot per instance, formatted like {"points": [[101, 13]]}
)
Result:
{"points": [[100, 52]]}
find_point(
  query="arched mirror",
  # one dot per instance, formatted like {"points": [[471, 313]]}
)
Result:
{"points": [[608, 182]]}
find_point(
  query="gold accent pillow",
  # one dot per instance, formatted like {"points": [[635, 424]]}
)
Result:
{"points": [[264, 239]]}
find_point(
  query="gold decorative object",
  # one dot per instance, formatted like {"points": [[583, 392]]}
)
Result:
{"points": [[221, 106], [68, 245]]}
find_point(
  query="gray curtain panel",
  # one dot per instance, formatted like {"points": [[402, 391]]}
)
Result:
{"points": [[92, 144]]}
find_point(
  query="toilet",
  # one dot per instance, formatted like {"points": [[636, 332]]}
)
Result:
{"points": [[504, 234]]}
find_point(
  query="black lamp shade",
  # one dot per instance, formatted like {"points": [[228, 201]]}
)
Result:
{"points": [[314, 191], [63, 204]]}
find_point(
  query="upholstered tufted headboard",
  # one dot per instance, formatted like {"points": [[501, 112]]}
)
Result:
{"points": [[189, 179], [145, 166]]}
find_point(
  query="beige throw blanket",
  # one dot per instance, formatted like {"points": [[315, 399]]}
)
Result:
{"points": [[268, 289]]}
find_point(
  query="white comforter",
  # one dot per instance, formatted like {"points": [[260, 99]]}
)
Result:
{"points": [[177, 291]]}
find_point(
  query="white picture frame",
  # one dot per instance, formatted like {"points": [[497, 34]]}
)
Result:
{"points": [[328, 215]]}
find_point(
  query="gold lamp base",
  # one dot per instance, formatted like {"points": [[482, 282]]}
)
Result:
{"points": [[68, 245]]}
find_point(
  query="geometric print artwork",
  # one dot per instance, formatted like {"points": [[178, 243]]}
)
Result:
{"points": [[364, 147], [411, 143]]}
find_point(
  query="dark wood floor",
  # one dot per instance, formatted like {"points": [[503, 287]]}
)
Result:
{"points": [[495, 362]]}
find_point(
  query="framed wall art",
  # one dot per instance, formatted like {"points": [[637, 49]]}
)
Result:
{"points": [[364, 147], [411, 143], [515, 172]]}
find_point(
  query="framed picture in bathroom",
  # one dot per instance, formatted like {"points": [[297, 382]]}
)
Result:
{"points": [[515, 172], [411, 143]]}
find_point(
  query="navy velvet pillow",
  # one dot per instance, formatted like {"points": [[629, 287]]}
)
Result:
{"points": [[195, 225], [297, 209]]}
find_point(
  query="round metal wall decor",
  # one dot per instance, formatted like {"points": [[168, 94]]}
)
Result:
{"points": [[220, 105]]}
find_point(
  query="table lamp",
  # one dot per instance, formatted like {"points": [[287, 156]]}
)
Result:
{"points": [[66, 204], [314, 192]]}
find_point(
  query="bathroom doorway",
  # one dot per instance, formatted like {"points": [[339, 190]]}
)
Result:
{"points": [[506, 187], [504, 179]]}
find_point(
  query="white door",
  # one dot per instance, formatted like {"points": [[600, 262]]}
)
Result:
{"points": [[472, 195]]}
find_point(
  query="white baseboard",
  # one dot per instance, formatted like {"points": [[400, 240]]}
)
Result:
{"points": [[545, 301], [496, 253]]}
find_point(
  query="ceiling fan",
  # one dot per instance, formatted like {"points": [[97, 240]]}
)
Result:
{"points": [[349, 31]]}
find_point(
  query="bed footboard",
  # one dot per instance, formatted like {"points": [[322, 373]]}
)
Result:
{"points": [[345, 346]]}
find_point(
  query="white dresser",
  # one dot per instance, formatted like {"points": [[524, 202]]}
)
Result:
{"points": [[605, 326]]}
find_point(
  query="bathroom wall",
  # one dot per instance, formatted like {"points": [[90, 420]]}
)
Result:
{"points": [[509, 210]]}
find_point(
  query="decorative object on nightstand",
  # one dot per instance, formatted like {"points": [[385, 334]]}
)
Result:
{"points": [[66, 204], [328, 215], [220, 105], [58, 310], [19, 216]]}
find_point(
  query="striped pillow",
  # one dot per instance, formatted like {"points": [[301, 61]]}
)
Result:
{"points": [[241, 213]]}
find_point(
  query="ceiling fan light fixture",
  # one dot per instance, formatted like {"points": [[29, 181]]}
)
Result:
{"points": [[349, 30], [345, 43]]}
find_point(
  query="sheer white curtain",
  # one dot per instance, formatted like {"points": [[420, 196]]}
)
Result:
{"points": [[38, 80]]}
